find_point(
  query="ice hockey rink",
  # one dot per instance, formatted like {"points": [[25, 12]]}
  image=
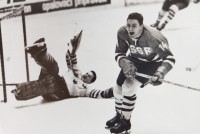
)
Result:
{"points": [[165, 109]]}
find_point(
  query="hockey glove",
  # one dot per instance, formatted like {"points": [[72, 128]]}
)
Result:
{"points": [[128, 67], [160, 74], [155, 78], [108, 93]]}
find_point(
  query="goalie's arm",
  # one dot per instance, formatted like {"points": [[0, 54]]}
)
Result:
{"points": [[71, 61], [68, 61]]}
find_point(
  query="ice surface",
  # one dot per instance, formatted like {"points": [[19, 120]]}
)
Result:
{"points": [[166, 109]]}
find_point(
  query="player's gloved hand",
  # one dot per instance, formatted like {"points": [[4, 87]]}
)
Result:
{"points": [[155, 78], [196, 1], [160, 74], [128, 67], [108, 93]]}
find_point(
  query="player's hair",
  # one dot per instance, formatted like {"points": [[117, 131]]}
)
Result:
{"points": [[95, 76], [136, 16]]}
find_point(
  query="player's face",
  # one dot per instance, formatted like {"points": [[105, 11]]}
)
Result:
{"points": [[134, 28], [87, 78]]}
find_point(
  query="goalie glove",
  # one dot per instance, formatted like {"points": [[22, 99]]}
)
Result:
{"points": [[128, 67], [108, 93]]}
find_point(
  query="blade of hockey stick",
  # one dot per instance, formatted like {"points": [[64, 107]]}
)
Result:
{"points": [[193, 68], [162, 80]]}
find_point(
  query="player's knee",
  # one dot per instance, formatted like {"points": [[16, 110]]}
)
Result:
{"points": [[117, 92], [173, 9], [130, 86], [162, 12]]}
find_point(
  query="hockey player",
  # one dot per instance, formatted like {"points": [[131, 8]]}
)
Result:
{"points": [[171, 7], [149, 54], [50, 85]]}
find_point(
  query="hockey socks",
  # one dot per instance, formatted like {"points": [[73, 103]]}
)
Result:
{"points": [[108, 93], [128, 105]]}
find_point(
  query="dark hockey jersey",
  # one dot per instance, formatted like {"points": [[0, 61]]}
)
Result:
{"points": [[150, 46]]}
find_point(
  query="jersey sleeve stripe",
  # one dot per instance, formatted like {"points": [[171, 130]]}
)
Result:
{"points": [[170, 58], [119, 55], [169, 62], [156, 57]]}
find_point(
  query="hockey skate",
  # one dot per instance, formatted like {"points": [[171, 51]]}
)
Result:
{"points": [[38, 47], [15, 92], [155, 25], [123, 127], [112, 122], [161, 27]]}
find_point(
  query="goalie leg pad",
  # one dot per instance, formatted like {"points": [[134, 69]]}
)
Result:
{"points": [[29, 90], [47, 63]]}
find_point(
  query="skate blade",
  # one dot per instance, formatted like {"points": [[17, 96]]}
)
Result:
{"points": [[125, 132]]}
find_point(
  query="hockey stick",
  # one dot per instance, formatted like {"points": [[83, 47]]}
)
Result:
{"points": [[193, 68], [162, 80]]}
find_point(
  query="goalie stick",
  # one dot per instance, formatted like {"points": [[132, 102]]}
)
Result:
{"points": [[162, 80]]}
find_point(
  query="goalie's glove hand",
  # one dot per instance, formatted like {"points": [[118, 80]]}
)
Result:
{"points": [[155, 78], [129, 69], [108, 93]]}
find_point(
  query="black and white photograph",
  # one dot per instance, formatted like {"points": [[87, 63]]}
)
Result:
{"points": [[99, 67]]}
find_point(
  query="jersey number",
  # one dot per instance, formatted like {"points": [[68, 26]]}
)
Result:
{"points": [[163, 46]]}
